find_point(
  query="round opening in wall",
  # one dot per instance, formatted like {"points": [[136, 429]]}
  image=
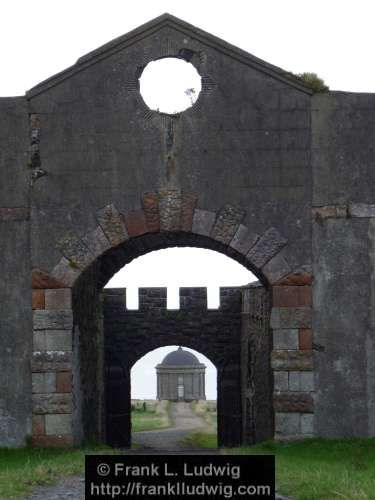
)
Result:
{"points": [[170, 85]]}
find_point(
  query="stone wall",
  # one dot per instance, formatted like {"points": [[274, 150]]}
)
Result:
{"points": [[343, 248]]}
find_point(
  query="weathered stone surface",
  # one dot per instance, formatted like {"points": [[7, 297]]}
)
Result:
{"points": [[305, 339], [285, 339], [203, 221], [64, 382], [291, 317], [38, 426], [291, 360], [281, 381], [44, 382], [293, 402], [287, 424], [52, 340], [51, 361], [60, 424], [170, 209], [41, 280], [53, 320], [291, 296], [96, 241], [307, 424], [136, 223], [38, 299], [301, 381], [14, 214], [150, 205], [65, 273], [361, 210], [243, 240], [295, 279], [58, 299], [53, 441], [269, 244], [52, 403], [188, 204], [75, 250], [227, 223], [330, 212], [112, 223], [276, 268]]}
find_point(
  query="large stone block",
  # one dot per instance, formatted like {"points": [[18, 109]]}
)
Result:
{"points": [[307, 424], [75, 250], [203, 222], [243, 240], [44, 382], [291, 317], [136, 223], [287, 424], [362, 210], [170, 209], [53, 320], [276, 268], [293, 402], [150, 205], [269, 244], [52, 403], [65, 273], [38, 299], [291, 296], [227, 223], [41, 280], [96, 241], [280, 381], [292, 360], [60, 424], [301, 381], [58, 299], [285, 339], [64, 382], [48, 361], [188, 204], [113, 225]]}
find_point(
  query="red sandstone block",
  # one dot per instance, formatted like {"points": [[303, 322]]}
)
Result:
{"points": [[52, 441], [291, 296], [150, 204], [188, 205], [39, 428], [305, 339], [38, 299], [296, 279], [64, 382], [42, 280], [136, 223]]}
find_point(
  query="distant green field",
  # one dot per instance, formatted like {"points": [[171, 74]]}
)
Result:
{"points": [[150, 415]]}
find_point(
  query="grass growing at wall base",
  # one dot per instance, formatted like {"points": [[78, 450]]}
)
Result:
{"points": [[23, 469], [321, 469]]}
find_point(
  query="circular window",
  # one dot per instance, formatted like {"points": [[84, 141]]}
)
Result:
{"points": [[170, 85]]}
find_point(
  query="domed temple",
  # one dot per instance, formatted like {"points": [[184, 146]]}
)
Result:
{"points": [[180, 377]]}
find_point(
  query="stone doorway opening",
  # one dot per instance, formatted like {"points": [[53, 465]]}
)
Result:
{"points": [[102, 355], [173, 399]]}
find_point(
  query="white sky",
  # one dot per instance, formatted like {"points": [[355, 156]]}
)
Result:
{"points": [[333, 38]]}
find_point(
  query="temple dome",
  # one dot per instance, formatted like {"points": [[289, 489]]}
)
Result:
{"points": [[180, 358]]}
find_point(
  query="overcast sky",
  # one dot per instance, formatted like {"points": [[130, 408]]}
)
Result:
{"points": [[334, 39]]}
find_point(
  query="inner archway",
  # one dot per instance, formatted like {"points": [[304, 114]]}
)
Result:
{"points": [[174, 399]]}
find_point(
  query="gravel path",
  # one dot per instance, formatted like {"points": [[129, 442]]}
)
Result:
{"points": [[184, 420]]}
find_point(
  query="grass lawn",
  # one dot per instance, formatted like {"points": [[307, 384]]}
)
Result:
{"points": [[22, 469], [321, 468], [151, 416]]}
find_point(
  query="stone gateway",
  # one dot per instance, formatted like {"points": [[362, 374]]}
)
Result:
{"points": [[259, 168]]}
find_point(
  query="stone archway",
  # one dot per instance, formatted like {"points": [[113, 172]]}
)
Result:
{"points": [[67, 316]]}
